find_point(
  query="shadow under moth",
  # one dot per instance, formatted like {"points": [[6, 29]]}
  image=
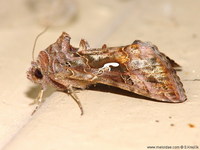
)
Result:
{"points": [[139, 68]]}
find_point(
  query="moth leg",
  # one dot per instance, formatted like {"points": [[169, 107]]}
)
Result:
{"points": [[38, 98], [72, 93], [37, 101]]}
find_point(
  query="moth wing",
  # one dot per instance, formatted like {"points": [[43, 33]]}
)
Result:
{"points": [[147, 72], [174, 64], [76, 79]]}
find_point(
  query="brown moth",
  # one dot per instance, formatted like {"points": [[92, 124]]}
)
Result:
{"points": [[139, 68]]}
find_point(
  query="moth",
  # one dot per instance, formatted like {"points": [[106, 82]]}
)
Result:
{"points": [[139, 68]]}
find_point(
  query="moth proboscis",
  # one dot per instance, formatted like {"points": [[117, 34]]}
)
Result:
{"points": [[139, 68]]}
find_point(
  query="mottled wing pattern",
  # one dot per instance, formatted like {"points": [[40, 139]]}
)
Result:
{"points": [[142, 69]]}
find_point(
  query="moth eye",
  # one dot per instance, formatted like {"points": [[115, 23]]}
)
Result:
{"points": [[38, 74]]}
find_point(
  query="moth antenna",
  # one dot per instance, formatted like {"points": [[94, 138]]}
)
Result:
{"points": [[191, 80], [36, 41]]}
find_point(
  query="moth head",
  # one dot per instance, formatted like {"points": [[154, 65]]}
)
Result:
{"points": [[35, 73]]}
